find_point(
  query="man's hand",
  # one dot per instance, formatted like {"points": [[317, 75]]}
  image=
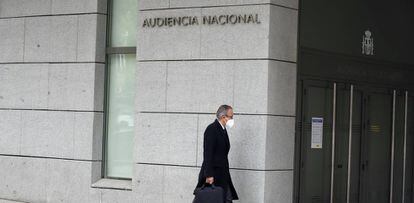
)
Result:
{"points": [[210, 180]]}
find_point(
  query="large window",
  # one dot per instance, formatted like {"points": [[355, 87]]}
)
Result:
{"points": [[120, 88]]}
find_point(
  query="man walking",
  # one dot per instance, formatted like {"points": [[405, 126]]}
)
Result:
{"points": [[215, 167]]}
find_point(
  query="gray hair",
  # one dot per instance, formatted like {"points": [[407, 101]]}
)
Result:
{"points": [[222, 110]]}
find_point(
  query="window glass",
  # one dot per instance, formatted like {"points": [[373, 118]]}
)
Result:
{"points": [[123, 23], [120, 115]]}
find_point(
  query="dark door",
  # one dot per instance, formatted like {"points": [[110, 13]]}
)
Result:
{"points": [[376, 146], [316, 160], [355, 144]]}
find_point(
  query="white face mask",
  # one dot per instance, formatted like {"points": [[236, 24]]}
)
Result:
{"points": [[229, 123]]}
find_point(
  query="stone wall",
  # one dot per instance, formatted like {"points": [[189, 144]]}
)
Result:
{"points": [[52, 67], [185, 72]]}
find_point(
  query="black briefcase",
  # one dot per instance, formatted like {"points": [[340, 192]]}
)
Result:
{"points": [[208, 194]]}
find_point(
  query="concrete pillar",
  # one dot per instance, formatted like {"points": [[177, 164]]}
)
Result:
{"points": [[185, 72]]}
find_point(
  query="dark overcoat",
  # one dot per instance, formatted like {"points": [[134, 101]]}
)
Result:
{"points": [[215, 161]]}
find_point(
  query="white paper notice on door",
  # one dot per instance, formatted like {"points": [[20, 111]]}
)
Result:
{"points": [[317, 132]]}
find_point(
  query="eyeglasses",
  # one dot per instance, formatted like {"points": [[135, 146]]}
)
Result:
{"points": [[231, 117]]}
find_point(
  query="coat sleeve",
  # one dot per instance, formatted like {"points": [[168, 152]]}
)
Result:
{"points": [[209, 148]]}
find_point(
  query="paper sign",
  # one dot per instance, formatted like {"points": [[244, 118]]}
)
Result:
{"points": [[317, 132]]}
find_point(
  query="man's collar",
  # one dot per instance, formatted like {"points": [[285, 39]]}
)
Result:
{"points": [[221, 124]]}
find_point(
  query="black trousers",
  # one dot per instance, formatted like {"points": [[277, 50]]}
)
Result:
{"points": [[229, 196]]}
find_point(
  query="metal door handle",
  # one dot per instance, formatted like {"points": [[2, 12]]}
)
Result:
{"points": [[333, 143], [351, 108]]}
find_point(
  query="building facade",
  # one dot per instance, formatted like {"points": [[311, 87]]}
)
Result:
{"points": [[108, 100]]}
